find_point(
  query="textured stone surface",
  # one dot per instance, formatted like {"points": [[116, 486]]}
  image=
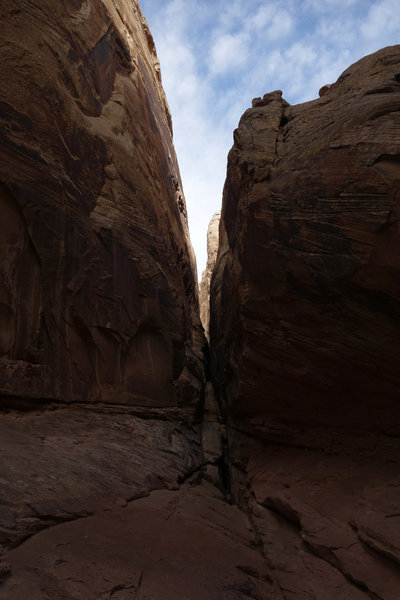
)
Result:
{"points": [[97, 285], [306, 324], [101, 345], [305, 330], [187, 544], [326, 509], [110, 486], [69, 462], [204, 287]]}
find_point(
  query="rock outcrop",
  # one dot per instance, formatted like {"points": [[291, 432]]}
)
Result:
{"points": [[307, 287], [204, 287], [305, 332], [110, 484]]}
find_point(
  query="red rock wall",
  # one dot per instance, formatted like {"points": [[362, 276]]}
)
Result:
{"points": [[305, 333], [98, 299], [305, 324]]}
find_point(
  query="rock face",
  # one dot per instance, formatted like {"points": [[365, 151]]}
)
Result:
{"points": [[98, 299], [305, 332], [108, 475], [306, 290], [101, 347], [204, 287], [186, 544]]}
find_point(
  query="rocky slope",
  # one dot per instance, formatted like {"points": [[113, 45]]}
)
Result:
{"points": [[305, 332]]}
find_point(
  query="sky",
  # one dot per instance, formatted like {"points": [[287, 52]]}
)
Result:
{"points": [[217, 55]]}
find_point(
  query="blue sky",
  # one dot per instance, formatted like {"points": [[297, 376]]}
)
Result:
{"points": [[217, 55]]}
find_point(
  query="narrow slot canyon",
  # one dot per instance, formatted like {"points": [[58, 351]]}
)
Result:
{"points": [[234, 440]]}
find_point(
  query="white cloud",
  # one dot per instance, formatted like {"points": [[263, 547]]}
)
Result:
{"points": [[281, 26], [322, 6], [383, 18], [229, 52], [301, 54], [262, 17]]}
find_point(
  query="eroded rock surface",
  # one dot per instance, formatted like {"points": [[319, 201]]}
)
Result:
{"points": [[306, 290], [111, 487], [98, 293], [305, 332], [204, 287], [185, 544], [101, 345]]}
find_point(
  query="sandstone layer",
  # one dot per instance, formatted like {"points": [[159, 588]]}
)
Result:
{"points": [[111, 486], [204, 287], [305, 332], [306, 291]]}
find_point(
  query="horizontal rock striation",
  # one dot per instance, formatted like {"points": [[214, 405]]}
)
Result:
{"points": [[98, 299], [305, 295], [305, 332]]}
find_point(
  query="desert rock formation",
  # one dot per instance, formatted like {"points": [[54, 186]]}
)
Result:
{"points": [[204, 287], [101, 345], [309, 256], [121, 477], [98, 293], [305, 332], [110, 483]]}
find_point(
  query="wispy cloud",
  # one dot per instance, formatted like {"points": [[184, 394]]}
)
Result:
{"points": [[229, 52], [216, 56], [382, 19]]}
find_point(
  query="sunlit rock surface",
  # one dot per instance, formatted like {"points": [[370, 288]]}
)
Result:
{"points": [[305, 331], [204, 287]]}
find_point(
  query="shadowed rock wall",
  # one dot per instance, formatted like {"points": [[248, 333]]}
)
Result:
{"points": [[306, 321], [98, 309], [305, 330], [98, 300]]}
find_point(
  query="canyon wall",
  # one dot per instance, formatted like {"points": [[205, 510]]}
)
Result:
{"points": [[98, 299], [110, 483], [119, 471], [305, 297], [305, 333]]}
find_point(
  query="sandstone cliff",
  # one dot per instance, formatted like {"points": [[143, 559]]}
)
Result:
{"points": [[116, 465], [101, 345], [305, 332], [310, 224], [97, 284], [204, 287]]}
